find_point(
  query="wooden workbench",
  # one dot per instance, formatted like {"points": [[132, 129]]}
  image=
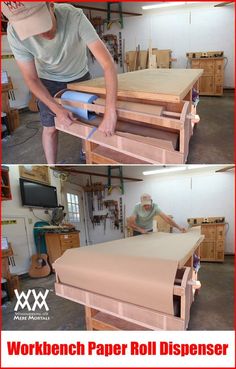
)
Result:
{"points": [[154, 114], [106, 277]]}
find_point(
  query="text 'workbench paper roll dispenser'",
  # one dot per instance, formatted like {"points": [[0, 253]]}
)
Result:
{"points": [[79, 97]]}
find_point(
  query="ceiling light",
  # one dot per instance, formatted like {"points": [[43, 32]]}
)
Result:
{"points": [[200, 166], [177, 169], [167, 4], [164, 170]]}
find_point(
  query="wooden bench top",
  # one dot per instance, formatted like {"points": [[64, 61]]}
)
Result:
{"points": [[170, 85]]}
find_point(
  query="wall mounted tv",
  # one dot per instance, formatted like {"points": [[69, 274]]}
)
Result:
{"points": [[38, 195]]}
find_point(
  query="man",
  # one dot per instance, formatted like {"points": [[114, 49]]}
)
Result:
{"points": [[49, 44], [141, 220]]}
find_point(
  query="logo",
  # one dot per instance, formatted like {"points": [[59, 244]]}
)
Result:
{"points": [[36, 296], [31, 305]]}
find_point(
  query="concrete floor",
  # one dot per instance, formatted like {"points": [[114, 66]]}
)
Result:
{"points": [[213, 139], [213, 308], [24, 146], [212, 142]]}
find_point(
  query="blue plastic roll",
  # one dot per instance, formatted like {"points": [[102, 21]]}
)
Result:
{"points": [[81, 97]]}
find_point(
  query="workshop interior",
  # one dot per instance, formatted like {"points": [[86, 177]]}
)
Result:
{"points": [[175, 67], [67, 230], [132, 231]]}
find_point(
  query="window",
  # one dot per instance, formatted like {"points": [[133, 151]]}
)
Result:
{"points": [[73, 209]]}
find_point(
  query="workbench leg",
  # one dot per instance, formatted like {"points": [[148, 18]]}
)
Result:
{"points": [[89, 314], [89, 147]]}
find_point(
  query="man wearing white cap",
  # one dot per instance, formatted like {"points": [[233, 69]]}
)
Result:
{"points": [[141, 221], [49, 44]]}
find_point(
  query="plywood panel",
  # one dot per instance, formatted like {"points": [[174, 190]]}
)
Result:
{"points": [[151, 84]]}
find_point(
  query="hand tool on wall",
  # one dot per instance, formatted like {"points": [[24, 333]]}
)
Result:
{"points": [[112, 207], [120, 50], [112, 45], [121, 216]]}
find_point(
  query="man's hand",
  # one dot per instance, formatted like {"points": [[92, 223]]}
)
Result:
{"points": [[64, 116], [104, 58], [143, 231], [108, 124]]}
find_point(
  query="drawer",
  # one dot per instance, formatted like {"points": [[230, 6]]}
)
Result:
{"points": [[218, 80], [69, 237], [207, 250], [220, 233], [75, 237], [219, 255], [219, 67], [195, 64], [66, 247], [66, 243], [206, 85], [220, 246], [209, 232], [65, 237], [208, 66], [218, 90]]}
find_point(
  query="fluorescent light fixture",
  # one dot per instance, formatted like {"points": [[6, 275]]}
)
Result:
{"points": [[164, 170], [167, 4], [199, 166], [177, 169]]}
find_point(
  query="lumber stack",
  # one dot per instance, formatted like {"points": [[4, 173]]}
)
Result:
{"points": [[152, 58]]}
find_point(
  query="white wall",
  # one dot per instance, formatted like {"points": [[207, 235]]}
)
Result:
{"points": [[13, 208], [21, 91], [201, 27], [187, 196]]}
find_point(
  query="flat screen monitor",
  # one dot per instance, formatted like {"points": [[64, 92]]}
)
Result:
{"points": [[38, 195]]}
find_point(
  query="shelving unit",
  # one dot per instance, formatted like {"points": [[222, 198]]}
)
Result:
{"points": [[5, 184]]}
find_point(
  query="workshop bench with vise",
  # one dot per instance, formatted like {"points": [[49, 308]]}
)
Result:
{"points": [[155, 117]]}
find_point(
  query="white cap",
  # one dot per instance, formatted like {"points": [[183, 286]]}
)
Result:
{"points": [[146, 199], [28, 18]]}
